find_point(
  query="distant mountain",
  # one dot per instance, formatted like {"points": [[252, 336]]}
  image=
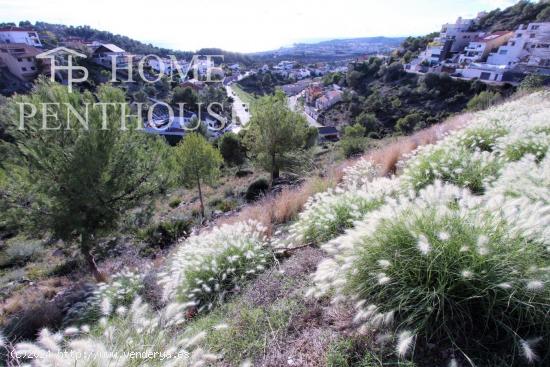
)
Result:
{"points": [[388, 41], [335, 49]]}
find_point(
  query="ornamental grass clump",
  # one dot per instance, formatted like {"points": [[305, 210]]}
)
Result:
{"points": [[515, 146], [438, 269], [453, 164], [329, 214], [118, 294], [136, 337], [483, 137], [208, 267]]}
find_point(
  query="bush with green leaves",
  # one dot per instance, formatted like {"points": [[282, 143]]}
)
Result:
{"points": [[353, 140], [165, 233], [206, 268], [483, 100]]}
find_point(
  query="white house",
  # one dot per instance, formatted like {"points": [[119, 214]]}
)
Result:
{"points": [[167, 65], [20, 35], [106, 52], [20, 60], [479, 49], [451, 40], [530, 45], [485, 72]]}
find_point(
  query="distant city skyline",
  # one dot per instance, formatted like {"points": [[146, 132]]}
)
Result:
{"points": [[248, 26]]}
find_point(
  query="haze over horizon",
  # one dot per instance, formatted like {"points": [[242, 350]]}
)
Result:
{"points": [[246, 26]]}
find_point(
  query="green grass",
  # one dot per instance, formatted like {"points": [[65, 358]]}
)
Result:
{"points": [[247, 329], [244, 96]]}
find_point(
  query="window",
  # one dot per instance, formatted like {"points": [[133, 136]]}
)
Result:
{"points": [[19, 59], [33, 68], [532, 35], [512, 43], [24, 68], [29, 59], [485, 76], [534, 27], [519, 35], [503, 52]]}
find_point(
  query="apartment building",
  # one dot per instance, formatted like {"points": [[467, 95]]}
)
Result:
{"points": [[529, 45], [18, 35], [20, 59], [479, 49]]}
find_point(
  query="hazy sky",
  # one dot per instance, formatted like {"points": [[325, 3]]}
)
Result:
{"points": [[247, 25]]}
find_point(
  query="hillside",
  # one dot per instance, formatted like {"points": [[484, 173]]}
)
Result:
{"points": [[523, 12], [444, 263]]}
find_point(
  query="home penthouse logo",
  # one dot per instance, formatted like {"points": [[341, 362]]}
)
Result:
{"points": [[59, 54]]}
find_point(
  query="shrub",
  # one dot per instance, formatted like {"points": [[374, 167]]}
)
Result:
{"points": [[256, 189], [532, 82], [371, 124], [19, 253], [164, 234], [410, 123], [242, 329], [174, 203], [223, 205], [232, 149], [483, 101], [353, 140], [207, 267]]}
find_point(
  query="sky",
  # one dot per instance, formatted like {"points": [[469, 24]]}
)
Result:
{"points": [[247, 25]]}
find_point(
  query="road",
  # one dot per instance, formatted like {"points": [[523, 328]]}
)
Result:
{"points": [[293, 105], [238, 109]]}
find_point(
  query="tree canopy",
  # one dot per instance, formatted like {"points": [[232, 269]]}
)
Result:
{"points": [[198, 163], [75, 181], [274, 133]]}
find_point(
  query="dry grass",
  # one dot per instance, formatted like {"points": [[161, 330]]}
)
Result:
{"points": [[388, 156], [284, 206]]}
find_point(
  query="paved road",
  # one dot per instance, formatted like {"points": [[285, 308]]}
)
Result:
{"points": [[293, 105], [238, 109]]}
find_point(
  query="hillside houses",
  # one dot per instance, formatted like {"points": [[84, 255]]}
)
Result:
{"points": [[18, 50], [107, 53], [479, 49], [503, 56], [20, 60], [13, 34]]}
